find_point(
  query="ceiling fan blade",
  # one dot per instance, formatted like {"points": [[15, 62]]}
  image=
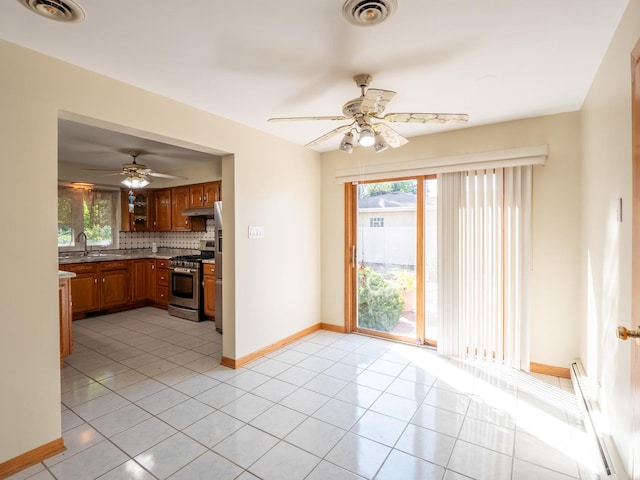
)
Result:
{"points": [[375, 100], [447, 118], [164, 175], [393, 138], [289, 119], [103, 170], [328, 135]]}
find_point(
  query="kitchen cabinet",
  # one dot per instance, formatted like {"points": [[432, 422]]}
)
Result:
{"points": [[162, 282], [138, 281], [196, 195], [180, 200], [84, 286], [163, 209], [150, 280], [114, 278], [212, 193], [142, 219], [65, 316], [209, 284], [99, 285]]}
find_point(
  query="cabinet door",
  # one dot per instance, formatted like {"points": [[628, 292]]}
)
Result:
{"points": [[209, 295], [138, 280], [211, 193], [66, 331], [151, 280], [84, 292], [115, 288], [179, 201], [163, 210], [196, 195], [142, 218]]}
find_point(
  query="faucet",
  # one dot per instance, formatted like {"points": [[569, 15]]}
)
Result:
{"points": [[83, 235]]}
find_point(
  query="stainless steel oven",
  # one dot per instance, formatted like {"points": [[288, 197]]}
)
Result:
{"points": [[185, 287]]}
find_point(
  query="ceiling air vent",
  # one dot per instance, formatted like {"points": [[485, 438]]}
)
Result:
{"points": [[59, 10], [365, 13]]}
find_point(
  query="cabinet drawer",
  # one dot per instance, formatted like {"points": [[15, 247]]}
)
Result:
{"points": [[209, 268], [81, 268], [161, 263], [162, 295], [162, 277], [118, 265]]}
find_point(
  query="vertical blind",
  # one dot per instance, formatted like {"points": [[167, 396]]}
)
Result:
{"points": [[483, 264]]}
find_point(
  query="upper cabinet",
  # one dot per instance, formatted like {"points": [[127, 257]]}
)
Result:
{"points": [[161, 210]]}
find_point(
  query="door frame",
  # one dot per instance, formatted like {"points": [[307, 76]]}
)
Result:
{"points": [[351, 263], [635, 258]]}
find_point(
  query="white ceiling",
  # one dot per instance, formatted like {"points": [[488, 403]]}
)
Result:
{"points": [[248, 61]]}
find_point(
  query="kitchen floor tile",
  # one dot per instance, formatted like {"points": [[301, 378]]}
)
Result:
{"points": [[182, 415], [162, 400], [90, 463], [479, 462], [278, 420], [284, 462], [143, 436], [245, 446], [213, 428], [130, 470], [76, 440], [358, 455], [208, 465], [274, 389], [305, 401], [196, 385], [379, 428], [170, 455], [120, 420], [247, 407], [100, 406], [315, 436], [341, 414], [431, 446], [296, 376], [400, 466], [325, 470]]}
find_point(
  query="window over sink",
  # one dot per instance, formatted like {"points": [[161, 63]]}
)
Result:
{"points": [[94, 212]]}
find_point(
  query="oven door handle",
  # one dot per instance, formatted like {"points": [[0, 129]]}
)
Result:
{"points": [[182, 270]]}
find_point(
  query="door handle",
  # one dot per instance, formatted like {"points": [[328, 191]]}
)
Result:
{"points": [[623, 333]]}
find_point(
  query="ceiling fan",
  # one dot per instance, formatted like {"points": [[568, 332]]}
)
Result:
{"points": [[136, 174], [368, 107]]}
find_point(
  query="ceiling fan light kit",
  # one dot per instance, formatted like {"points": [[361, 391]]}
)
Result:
{"points": [[370, 106], [135, 181]]}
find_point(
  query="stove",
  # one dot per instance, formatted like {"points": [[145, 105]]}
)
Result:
{"points": [[186, 295]]}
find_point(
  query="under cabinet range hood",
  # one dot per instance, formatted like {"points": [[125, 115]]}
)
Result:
{"points": [[198, 212]]}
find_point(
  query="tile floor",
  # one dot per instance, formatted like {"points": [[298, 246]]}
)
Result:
{"points": [[144, 397]]}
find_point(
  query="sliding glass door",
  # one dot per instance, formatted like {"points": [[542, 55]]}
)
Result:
{"points": [[393, 266]]}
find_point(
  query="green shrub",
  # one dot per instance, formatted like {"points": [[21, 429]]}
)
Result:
{"points": [[380, 303]]}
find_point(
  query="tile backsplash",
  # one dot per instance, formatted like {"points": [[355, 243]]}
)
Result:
{"points": [[189, 240]]}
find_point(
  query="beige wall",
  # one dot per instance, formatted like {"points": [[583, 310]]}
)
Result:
{"points": [[555, 231], [271, 285], [605, 256]]}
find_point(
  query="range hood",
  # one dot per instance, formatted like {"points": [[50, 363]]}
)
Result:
{"points": [[198, 212]]}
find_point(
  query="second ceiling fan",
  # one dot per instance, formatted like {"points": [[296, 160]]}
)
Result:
{"points": [[363, 110]]}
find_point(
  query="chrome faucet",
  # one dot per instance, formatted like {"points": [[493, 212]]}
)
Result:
{"points": [[83, 236]]}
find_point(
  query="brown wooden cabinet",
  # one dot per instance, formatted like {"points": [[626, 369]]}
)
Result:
{"points": [[65, 315], [209, 282], [211, 193], [162, 282], [179, 202], [138, 281], [84, 286], [99, 285], [142, 218], [150, 280], [196, 195], [163, 209]]}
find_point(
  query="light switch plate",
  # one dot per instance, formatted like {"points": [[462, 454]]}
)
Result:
{"points": [[256, 231]]}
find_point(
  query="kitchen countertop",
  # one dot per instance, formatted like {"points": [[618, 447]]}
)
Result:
{"points": [[111, 255], [62, 275]]}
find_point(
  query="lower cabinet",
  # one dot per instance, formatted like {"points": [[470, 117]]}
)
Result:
{"points": [[114, 284], [209, 290], [162, 282], [66, 332], [99, 285]]}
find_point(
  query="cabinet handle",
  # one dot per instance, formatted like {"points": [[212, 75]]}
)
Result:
{"points": [[153, 267], [186, 222], [205, 198], [95, 280], [104, 279]]}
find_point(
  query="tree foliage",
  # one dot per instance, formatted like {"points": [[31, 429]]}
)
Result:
{"points": [[380, 302], [367, 190]]}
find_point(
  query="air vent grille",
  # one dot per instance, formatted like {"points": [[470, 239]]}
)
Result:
{"points": [[59, 10], [365, 13]]}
